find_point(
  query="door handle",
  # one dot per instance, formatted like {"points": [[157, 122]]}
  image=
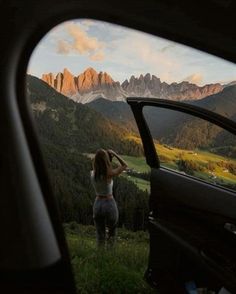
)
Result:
{"points": [[151, 216], [230, 227]]}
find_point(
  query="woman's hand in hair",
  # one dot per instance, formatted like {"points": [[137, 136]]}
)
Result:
{"points": [[119, 169], [111, 152]]}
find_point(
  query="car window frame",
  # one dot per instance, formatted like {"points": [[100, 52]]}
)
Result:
{"points": [[138, 103]]}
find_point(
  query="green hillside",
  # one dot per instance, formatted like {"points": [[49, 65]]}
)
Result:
{"points": [[67, 130], [174, 128], [202, 164], [74, 126], [116, 111]]}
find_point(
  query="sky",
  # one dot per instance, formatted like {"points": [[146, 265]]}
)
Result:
{"points": [[122, 52]]}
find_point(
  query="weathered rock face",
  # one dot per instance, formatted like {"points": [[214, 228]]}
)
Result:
{"points": [[87, 86], [68, 85], [63, 83], [49, 79], [90, 85], [87, 81], [194, 92], [147, 86], [58, 82], [90, 80]]}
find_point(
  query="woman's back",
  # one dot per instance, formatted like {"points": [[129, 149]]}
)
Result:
{"points": [[105, 212], [102, 187]]}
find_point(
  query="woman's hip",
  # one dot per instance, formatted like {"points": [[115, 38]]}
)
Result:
{"points": [[105, 207]]}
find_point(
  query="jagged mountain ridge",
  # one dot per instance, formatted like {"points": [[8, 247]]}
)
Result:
{"points": [[151, 86], [91, 85], [85, 87]]}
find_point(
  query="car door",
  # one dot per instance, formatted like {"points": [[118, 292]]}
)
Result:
{"points": [[192, 220]]}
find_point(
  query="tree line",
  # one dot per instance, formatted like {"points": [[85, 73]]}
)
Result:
{"points": [[67, 130], [70, 179]]}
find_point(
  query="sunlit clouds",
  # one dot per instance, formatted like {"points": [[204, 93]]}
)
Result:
{"points": [[80, 42], [122, 52], [194, 78]]}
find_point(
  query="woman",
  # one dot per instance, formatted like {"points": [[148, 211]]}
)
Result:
{"points": [[105, 212]]}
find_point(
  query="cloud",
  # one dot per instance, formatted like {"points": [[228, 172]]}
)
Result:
{"points": [[63, 47], [142, 53], [196, 78], [81, 43], [99, 56]]}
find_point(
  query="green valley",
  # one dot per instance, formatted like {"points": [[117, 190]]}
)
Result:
{"points": [[70, 133], [202, 164]]}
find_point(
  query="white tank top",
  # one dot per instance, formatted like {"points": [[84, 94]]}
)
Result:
{"points": [[101, 187]]}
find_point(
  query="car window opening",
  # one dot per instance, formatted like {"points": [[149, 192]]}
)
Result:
{"points": [[78, 79]]}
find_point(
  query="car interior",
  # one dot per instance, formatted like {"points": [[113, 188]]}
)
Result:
{"points": [[191, 221]]}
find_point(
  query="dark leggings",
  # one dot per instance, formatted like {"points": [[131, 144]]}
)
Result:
{"points": [[105, 215]]}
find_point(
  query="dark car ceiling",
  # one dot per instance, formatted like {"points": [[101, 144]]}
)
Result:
{"points": [[208, 25]]}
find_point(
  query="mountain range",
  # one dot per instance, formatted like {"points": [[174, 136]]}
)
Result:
{"points": [[73, 126], [176, 129], [91, 85], [67, 123]]}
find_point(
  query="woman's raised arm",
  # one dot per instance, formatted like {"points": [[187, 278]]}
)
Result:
{"points": [[119, 169]]}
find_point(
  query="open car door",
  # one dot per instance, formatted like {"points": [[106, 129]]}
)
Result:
{"points": [[192, 221]]}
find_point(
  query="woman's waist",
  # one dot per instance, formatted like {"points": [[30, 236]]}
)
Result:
{"points": [[108, 196]]}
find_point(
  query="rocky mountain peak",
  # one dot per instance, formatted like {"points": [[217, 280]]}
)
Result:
{"points": [[66, 72], [48, 78], [105, 78], [90, 85], [68, 85], [147, 77], [87, 86], [90, 71], [87, 80]]}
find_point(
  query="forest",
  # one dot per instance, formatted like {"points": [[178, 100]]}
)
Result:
{"points": [[69, 130]]}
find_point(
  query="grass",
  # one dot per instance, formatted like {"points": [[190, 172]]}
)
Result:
{"points": [[170, 155], [118, 270], [137, 163], [202, 158], [142, 184]]}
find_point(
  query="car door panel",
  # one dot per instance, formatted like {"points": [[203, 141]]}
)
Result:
{"points": [[197, 226], [191, 222]]}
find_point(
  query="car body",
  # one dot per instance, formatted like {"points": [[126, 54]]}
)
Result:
{"points": [[34, 255], [192, 221]]}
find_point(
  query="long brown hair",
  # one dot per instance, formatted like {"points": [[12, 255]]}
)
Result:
{"points": [[101, 164]]}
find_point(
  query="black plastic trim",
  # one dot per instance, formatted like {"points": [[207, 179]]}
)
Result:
{"points": [[200, 112], [148, 145]]}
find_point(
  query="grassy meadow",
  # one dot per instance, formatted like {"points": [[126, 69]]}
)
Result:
{"points": [[121, 269], [206, 165], [142, 184], [117, 270], [209, 166], [137, 163]]}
